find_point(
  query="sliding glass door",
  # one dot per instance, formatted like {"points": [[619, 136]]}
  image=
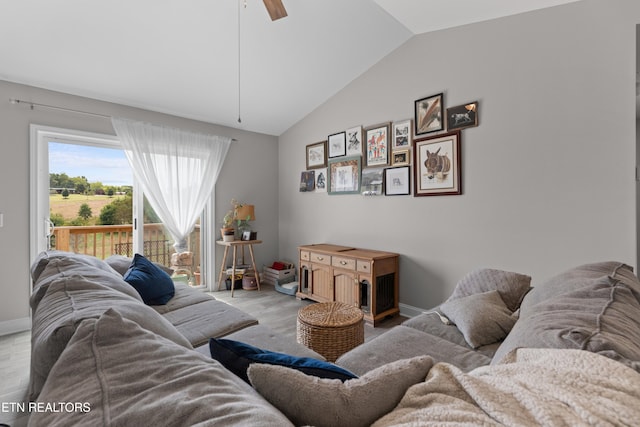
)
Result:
{"points": [[84, 200]]}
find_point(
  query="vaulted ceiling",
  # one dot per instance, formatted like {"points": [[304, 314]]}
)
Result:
{"points": [[218, 60]]}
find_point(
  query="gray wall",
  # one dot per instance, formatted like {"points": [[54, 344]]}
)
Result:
{"points": [[248, 175], [548, 176]]}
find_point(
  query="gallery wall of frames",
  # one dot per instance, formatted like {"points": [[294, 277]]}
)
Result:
{"points": [[419, 155]]}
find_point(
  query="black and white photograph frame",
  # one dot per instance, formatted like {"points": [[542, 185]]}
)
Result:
{"points": [[397, 181], [372, 182], [321, 180], [402, 134], [344, 175], [337, 144], [317, 155], [354, 141], [428, 115], [462, 116]]}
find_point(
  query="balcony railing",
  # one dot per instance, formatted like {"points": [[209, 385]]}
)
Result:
{"points": [[102, 241]]}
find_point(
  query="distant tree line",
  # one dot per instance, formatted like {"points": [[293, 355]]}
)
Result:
{"points": [[82, 186]]}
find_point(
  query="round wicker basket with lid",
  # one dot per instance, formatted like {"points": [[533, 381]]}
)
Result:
{"points": [[330, 328]]}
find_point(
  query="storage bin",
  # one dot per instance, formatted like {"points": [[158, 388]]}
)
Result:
{"points": [[279, 274], [237, 283], [249, 282]]}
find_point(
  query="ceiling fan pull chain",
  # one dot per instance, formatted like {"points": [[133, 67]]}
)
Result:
{"points": [[245, 5]]}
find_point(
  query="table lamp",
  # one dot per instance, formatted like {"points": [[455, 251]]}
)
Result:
{"points": [[243, 215]]}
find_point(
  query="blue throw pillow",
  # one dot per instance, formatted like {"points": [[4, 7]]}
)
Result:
{"points": [[237, 356], [154, 285]]}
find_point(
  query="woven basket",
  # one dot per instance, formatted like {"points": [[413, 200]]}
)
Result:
{"points": [[330, 328]]}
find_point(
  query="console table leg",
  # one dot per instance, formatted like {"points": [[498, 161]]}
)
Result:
{"points": [[253, 263]]}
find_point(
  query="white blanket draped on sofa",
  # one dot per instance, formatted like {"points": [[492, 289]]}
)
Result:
{"points": [[531, 387]]}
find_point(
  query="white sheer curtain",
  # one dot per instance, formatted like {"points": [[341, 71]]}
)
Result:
{"points": [[176, 169]]}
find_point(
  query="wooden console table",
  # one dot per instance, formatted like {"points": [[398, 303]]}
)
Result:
{"points": [[223, 268], [364, 278]]}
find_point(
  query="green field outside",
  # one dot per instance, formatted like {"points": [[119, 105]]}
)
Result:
{"points": [[70, 206]]}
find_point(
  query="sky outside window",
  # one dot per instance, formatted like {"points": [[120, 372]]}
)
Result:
{"points": [[106, 165]]}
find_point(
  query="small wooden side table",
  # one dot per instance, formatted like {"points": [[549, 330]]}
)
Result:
{"points": [[234, 244]]}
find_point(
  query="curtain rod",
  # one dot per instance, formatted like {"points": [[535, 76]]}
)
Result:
{"points": [[32, 106]]}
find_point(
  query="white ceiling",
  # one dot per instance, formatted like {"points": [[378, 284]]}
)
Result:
{"points": [[181, 57]]}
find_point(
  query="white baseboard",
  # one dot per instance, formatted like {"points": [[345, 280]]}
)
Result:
{"points": [[16, 325], [409, 310]]}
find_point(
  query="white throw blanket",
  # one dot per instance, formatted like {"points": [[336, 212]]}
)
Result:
{"points": [[546, 387]]}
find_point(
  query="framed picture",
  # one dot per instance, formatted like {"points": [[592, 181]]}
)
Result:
{"points": [[344, 175], [437, 165], [354, 141], [402, 134], [428, 114], [307, 181], [337, 146], [462, 116], [372, 182], [317, 155], [400, 157], [397, 181], [377, 145], [321, 180]]}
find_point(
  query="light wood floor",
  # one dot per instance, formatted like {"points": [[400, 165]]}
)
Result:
{"points": [[279, 311], [15, 355], [273, 309]]}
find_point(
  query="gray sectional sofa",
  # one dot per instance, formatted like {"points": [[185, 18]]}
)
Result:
{"points": [[497, 352]]}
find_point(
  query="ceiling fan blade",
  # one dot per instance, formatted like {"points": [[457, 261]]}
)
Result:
{"points": [[275, 8]]}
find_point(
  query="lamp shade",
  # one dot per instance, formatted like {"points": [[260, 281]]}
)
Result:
{"points": [[245, 213]]}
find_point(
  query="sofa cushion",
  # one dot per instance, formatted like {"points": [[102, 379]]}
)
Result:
{"points": [[511, 286], [68, 301], [67, 264], [600, 314], [431, 323], [43, 259], [237, 356], [154, 285], [185, 296], [482, 318], [308, 400], [130, 376], [573, 279], [402, 342], [208, 319]]}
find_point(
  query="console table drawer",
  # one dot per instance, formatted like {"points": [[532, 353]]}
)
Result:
{"points": [[305, 255], [364, 266], [346, 263], [320, 258]]}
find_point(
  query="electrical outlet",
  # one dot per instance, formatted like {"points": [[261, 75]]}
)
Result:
{"points": [[1, 220]]}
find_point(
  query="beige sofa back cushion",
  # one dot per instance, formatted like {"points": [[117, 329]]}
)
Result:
{"points": [[67, 302], [593, 307], [129, 376], [66, 264]]}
